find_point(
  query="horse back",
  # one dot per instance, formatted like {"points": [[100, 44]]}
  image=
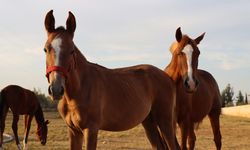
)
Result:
{"points": [[146, 79], [19, 100]]}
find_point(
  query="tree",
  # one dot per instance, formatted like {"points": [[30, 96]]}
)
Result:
{"points": [[240, 99], [44, 100], [227, 96], [246, 100]]}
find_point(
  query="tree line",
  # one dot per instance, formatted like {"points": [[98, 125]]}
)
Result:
{"points": [[45, 101], [228, 99]]}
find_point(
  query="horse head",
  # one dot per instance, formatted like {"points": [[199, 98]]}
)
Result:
{"points": [[59, 49], [185, 53], [42, 131]]}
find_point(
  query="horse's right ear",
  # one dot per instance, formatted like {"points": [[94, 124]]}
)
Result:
{"points": [[178, 34], [49, 22]]}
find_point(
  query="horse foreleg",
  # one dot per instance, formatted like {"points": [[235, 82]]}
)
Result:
{"points": [[191, 137], [75, 139], [215, 123], [153, 134], [27, 123], [15, 128], [90, 136], [184, 134]]}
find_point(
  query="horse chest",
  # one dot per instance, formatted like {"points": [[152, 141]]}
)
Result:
{"points": [[72, 116], [196, 105]]}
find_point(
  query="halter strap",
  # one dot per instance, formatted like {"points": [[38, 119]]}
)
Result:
{"points": [[64, 72], [56, 68]]}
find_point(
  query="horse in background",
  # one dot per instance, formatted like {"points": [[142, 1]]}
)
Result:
{"points": [[198, 94], [93, 98], [22, 102]]}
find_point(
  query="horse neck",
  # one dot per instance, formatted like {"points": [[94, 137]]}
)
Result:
{"points": [[77, 75], [39, 116], [172, 69]]}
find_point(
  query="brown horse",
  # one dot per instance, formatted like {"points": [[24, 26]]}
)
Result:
{"points": [[197, 91], [22, 102], [95, 98]]}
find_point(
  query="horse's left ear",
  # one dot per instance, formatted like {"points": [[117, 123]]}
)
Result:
{"points": [[47, 122], [49, 22], [71, 23], [198, 39]]}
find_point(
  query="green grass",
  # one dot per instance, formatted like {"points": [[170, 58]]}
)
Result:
{"points": [[235, 134]]}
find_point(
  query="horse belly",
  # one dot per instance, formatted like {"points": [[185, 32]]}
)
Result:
{"points": [[124, 117]]}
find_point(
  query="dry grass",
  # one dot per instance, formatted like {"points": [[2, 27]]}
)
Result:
{"points": [[243, 111], [235, 133]]}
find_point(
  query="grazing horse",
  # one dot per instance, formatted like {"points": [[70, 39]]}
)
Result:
{"points": [[197, 91], [92, 97], [22, 102]]}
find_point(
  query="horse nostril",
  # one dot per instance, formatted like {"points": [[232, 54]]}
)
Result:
{"points": [[62, 91], [50, 90], [196, 82], [186, 83]]}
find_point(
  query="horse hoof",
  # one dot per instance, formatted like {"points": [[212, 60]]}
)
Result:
{"points": [[19, 147]]}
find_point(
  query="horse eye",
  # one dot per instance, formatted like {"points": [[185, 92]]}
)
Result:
{"points": [[45, 50], [72, 52], [180, 53]]}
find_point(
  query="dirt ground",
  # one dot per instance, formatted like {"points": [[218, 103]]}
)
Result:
{"points": [[235, 134]]}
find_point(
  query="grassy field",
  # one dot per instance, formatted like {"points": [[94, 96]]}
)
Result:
{"points": [[235, 134]]}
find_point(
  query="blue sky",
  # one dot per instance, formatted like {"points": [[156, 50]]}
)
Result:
{"points": [[119, 33]]}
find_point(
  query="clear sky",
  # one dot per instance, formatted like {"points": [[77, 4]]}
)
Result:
{"points": [[119, 33]]}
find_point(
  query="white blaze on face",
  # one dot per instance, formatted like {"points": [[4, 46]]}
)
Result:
{"points": [[188, 50], [56, 45]]}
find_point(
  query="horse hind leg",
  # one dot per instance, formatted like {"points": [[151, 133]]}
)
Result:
{"points": [[166, 123], [153, 134], [15, 128], [4, 111], [215, 123]]}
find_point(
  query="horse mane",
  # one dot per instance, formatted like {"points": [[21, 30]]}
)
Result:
{"points": [[84, 60]]}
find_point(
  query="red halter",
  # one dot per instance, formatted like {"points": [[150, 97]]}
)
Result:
{"points": [[56, 68], [64, 72]]}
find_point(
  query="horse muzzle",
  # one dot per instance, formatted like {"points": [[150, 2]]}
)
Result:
{"points": [[191, 84], [43, 142], [56, 89]]}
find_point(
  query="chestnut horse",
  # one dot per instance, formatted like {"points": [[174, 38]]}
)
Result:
{"points": [[92, 97], [22, 102], [197, 91]]}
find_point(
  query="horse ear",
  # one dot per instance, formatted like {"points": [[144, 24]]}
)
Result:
{"points": [[71, 23], [49, 22], [198, 39], [47, 122], [178, 34]]}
